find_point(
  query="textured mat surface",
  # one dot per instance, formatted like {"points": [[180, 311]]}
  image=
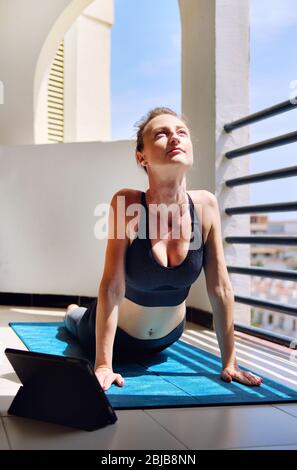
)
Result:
{"points": [[181, 375]]}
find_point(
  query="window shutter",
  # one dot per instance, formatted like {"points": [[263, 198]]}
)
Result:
{"points": [[55, 98]]}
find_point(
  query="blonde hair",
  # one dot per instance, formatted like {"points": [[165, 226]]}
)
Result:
{"points": [[140, 125]]}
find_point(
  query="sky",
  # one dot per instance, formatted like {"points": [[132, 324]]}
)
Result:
{"points": [[146, 72]]}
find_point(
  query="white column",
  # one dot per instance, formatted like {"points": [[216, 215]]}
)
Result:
{"points": [[215, 91], [88, 75]]}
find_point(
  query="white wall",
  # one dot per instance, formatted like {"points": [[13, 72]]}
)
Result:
{"points": [[27, 44], [48, 195]]}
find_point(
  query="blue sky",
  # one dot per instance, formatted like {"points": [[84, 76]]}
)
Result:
{"points": [[145, 73], [145, 61]]}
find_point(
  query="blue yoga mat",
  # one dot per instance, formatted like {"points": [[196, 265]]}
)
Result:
{"points": [[180, 376]]}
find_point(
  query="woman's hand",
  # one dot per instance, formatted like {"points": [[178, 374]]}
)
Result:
{"points": [[106, 377], [232, 372]]}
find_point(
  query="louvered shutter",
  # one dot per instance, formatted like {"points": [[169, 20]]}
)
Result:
{"points": [[55, 98]]}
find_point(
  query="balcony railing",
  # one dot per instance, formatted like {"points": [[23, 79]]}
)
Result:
{"points": [[287, 172]]}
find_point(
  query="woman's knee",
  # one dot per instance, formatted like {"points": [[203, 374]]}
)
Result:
{"points": [[72, 319]]}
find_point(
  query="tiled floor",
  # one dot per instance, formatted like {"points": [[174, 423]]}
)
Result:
{"points": [[215, 427]]}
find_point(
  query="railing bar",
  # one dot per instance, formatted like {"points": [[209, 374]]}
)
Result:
{"points": [[276, 207], [286, 274], [267, 335], [263, 240], [263, 145], [262, 114], [274, 306], [266, 175]]}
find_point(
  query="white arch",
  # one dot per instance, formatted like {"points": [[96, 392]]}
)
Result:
{"points": [[51, 44]]}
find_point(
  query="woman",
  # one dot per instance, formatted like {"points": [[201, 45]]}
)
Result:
{"points": [[141, 305]]}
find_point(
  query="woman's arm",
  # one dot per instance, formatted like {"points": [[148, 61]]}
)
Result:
{"points": [[112, 286], [221, 296], [223, 308], [106, 325], [218, 283]]}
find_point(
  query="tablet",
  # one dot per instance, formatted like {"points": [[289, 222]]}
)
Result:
{"points": [[59, 389]]}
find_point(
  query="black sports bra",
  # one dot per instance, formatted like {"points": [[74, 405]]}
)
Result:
{"points": [[149, 283]]}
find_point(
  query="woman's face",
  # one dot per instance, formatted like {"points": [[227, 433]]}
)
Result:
{"points": [[161, 135]]}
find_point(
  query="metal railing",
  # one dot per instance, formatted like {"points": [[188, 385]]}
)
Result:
{"points": [[284, 274]]}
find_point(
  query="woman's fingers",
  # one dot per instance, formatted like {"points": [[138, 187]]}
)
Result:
{"points": [[114, 378], [120, 380]]}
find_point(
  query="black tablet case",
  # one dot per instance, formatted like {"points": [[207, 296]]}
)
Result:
{"points": [[58, 389]]}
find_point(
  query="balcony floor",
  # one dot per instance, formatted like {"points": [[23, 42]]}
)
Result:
{"points": [[215, 427]]}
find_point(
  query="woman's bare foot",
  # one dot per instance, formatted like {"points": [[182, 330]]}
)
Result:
{"points": [[71, 307]]}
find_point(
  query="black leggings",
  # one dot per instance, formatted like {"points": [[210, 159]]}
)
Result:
{"points": [[81, 323]]}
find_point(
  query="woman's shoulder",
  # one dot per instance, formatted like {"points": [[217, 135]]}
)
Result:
{"points": [[201, 196], [129, 193], [131, 196], [202, 201]]}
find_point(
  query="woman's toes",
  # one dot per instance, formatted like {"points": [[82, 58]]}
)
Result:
{"points": [[71, 307], [255, 380], [250, 379]]}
